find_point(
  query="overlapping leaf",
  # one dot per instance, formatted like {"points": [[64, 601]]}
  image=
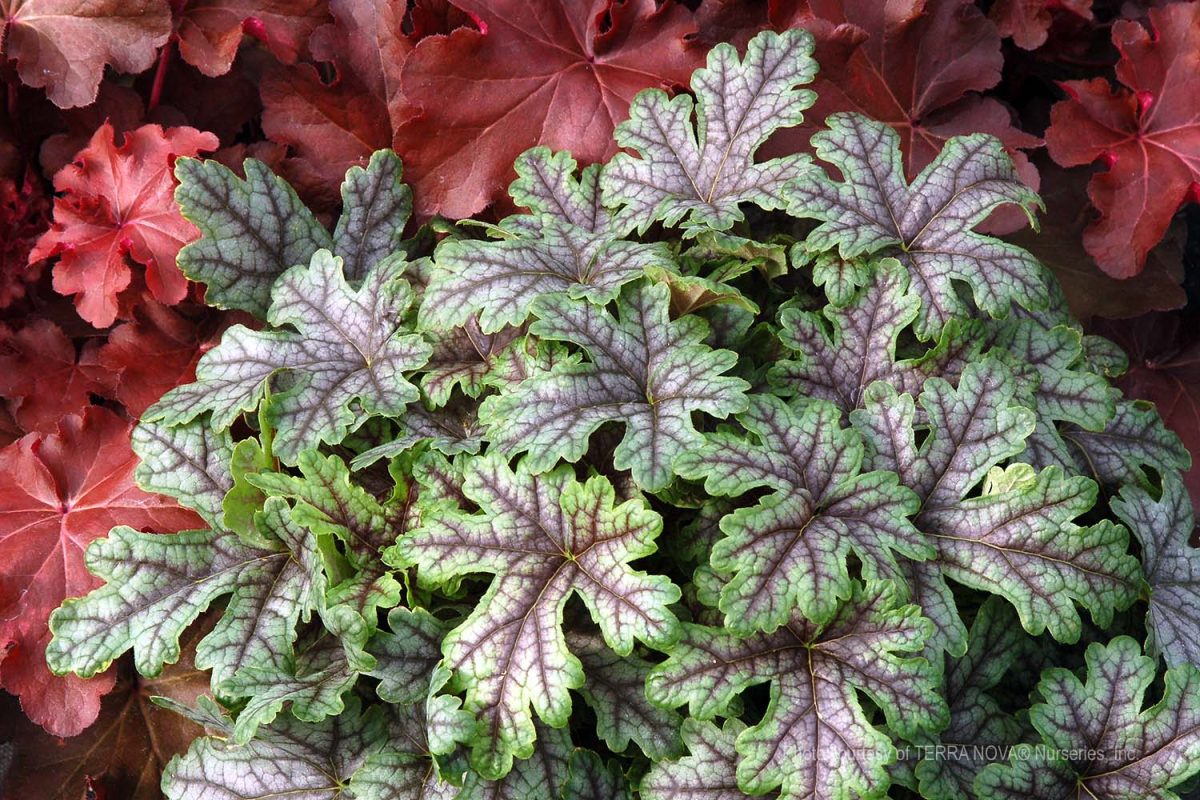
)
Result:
{"points": [[264, 210], [337, 759], [837, 363], [815, 739], [789, 552], [1017, 539], [1100, 742], [346, 358], [545, 538], [979, 726], [703, 170], [708, 772], [1171, 567], [646, 370], [927, 224], [157, 584]]}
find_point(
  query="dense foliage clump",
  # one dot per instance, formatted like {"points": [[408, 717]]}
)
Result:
{"points": [[709, 475]]}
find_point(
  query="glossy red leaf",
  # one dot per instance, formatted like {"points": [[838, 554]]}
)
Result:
{"points": [[122, 755], [555, 73], [117, 201], [64, 45], [1145, 133], [1164, 368], [58, 492], [918, 65]]}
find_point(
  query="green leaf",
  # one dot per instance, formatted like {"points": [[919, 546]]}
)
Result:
{"points": [[376, 206], [1099, 742], [703, 170], [543, 773], [591, 778], [547, 185], [189, 462], [978, 725], [815, 740], [708, 772], [157, 584], [1135, 439], [927, 224], [290, 759], [252, 231], [349, 347], [313, 684], [1021, 544], [790, 550], [844, 349], [1171, 567], [615, 688], [500, 280], [545, 538], [646, 370], [472, 360], [450, 430]]}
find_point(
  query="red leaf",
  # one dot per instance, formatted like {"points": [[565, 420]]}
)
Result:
{"points": [[560, 74], [117, 105], [64, 45], [157, 352], [118, 201], [23, 217], [122, 755], [329, 129], [367, 40], [1164, 368], [1028, 21], [918, 66], [1089, 291], [210, 31], [58, 492], [44, 379], [1146, 133]]}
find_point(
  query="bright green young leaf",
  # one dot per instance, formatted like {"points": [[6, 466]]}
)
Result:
{"points": [[927, 224], [345, 359], [790, 550], [252, 231], [545, 538], [815, 740], [615, 687], [1171, 567], [157, 584], [708, 772], [189, 462], [1101, 742], [646, 370], [702, 167]]}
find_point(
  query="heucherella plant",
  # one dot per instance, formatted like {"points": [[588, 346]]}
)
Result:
{"points": [[706, 477]]}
